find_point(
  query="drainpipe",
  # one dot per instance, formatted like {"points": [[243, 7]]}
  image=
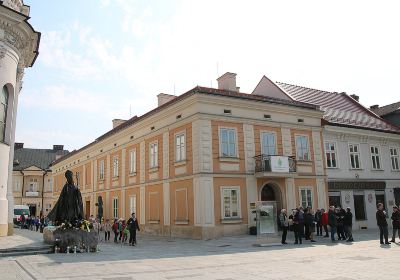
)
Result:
{"points": [[23, 184], [41, 212]]}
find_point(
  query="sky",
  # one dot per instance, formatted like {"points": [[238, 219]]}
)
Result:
{"points": [[100, 59]]}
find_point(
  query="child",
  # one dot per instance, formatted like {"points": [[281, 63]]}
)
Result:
{"points": [[115, 230], [125, 232]]}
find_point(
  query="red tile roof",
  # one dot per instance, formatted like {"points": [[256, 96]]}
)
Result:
{"points": [[339, 108]]}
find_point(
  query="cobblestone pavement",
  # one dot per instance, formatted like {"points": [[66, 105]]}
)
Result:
{"points": [[223, 259]]}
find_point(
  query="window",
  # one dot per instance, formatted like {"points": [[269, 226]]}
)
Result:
{"points": [[359, 205], [335, 199], [33, 185], [50, 184], [394, 157], [132, 204], [132, 161], [268, 143], [330, 153], [180, 151], [181, 206], [101, 170], [115, 207], [228, 142], [153, 155], [3, 113], [115, 166], [306, 197], [380, 198], [302, 147], [17, 185], [375, 158], [230, 202], [354, 151], [48, 207]]}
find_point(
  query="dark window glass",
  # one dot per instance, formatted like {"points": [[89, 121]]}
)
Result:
{"points": [[359, 207], [334, 200]]}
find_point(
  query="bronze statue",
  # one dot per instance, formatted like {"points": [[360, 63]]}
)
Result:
{"points": [[99, 205], [69, 207]]}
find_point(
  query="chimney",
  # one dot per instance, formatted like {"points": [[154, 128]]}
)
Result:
{"points": [[164, 98], [355, 97], [117, 122], [58, 147], [228, 82], [374, 107], [18, 146]]}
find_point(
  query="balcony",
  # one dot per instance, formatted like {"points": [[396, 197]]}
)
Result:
{"points": [[31, 194], [276, 164]]}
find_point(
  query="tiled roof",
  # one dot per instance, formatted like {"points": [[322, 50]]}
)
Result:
{"points": [[339, 108], [196, 90], [41, 158], [388, 109]]}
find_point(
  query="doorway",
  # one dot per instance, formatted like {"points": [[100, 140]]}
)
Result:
{"points": [[32, 209], [87, 209], [271, 192]]}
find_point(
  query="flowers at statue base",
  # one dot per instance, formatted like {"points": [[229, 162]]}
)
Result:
{"points": [[86, 225], [82, 225]]}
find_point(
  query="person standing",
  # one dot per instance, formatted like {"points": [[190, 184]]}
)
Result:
{"points": [[324, 221], [395, 222], [310, 222], [332, 222], [133, 225], [340, 226], [348, 224], [107, 230], [306, 224], [115, 230], [382, 224], [318, 221], [284, 222], [297, 227]]}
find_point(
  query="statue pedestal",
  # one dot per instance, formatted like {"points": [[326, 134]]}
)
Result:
{"points": [[63, 238]]}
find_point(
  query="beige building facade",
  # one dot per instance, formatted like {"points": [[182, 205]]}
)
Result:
{"points": [[193, 166]]}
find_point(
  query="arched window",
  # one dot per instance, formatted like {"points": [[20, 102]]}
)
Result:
{"points": [[3, 112]]}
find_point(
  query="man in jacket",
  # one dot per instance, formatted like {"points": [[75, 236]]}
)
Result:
{"points": [[133, 225], [332, 222], [382, 224], [395, 222], [348, 224], [284, 222], [318, 220]]}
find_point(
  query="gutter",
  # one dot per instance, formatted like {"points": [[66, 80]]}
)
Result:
{"points": [[23, 184], [41, 211]]}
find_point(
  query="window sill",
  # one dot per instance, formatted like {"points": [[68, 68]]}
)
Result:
{"points": [[377, 170], [229, 159], [394, 170], [356, 169], [232, 221], [133, 174], [332, 168], [182, 222], [305, 162], [101, 180], [154, 222], [180, 163], [153, 169], [115, 178]]}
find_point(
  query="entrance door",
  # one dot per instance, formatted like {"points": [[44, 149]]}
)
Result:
{"points": [[32, 209], [87, 209], [397, 196], [270, 192]]}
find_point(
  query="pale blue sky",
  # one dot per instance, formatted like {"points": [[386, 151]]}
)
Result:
{"points": [[99, 58]]}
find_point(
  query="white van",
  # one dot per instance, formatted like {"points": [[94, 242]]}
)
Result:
{"points": [[20, 210]]}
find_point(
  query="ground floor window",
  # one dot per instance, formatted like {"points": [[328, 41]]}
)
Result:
{"points": [[230, 202], [306, 197], [359, 205], [380, 198], [335, 199], [397, 196], [115, 207]]}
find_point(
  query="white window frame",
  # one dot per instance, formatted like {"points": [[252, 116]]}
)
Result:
{"points": [[132, 204], [115, 166], [153, 154], [180, 149], [239, 214], [229, 155], [115, 207], [33, 185], [394, 159], [375, 157], [176, 207], [310, 189], [308, 147], [358, 154], [101, 169], [335, 152], [262, 142], [17, 186], [132, 161]]}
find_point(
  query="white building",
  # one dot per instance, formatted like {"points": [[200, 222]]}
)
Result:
{"points": [[361, 150], [19, 44]]}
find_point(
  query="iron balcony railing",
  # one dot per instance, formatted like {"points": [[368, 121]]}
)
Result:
{"points": [[268, 163]]}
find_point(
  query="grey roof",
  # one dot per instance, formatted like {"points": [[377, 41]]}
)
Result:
{"points": [[41, 158], [388, 109]]}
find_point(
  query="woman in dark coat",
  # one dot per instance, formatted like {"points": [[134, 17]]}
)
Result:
{"points": [[310, 224], [395, 222], [297, 227]]}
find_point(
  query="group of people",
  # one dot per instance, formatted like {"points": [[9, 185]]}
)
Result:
{"points": [[33, 223], [121, 229], [305, 221], [381, 220]]}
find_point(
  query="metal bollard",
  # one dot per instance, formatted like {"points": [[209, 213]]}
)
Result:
{"points": [[67, 249]]}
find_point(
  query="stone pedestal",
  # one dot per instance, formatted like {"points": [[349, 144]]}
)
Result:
{"points": [[63, 238]]}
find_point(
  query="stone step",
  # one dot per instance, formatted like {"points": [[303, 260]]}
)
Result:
{"points": [[28, 250], [25, 253]]}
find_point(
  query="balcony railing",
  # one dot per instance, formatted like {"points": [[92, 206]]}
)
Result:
{"points": [[267, 163]]}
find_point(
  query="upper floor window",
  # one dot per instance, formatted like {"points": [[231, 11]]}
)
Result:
{"points": [[375, 157], [330, 153], [132, 161], [268, 142], [115, 166], [354, 151], [228, 142], [180, 150], [33, 185], [302, 147], [153, 155], [3, 113], [101, 170], [394, 158]]}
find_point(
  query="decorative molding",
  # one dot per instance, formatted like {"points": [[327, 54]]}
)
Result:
{"points": [[3, 51], [249, 148]]}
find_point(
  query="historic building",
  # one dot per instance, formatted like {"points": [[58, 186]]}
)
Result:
{"points": [[195, 165], [389, 112], [361, 150], [19, 44], [32, 179]]}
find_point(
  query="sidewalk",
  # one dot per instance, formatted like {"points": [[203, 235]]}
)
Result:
{"points": [[21, 238]]}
